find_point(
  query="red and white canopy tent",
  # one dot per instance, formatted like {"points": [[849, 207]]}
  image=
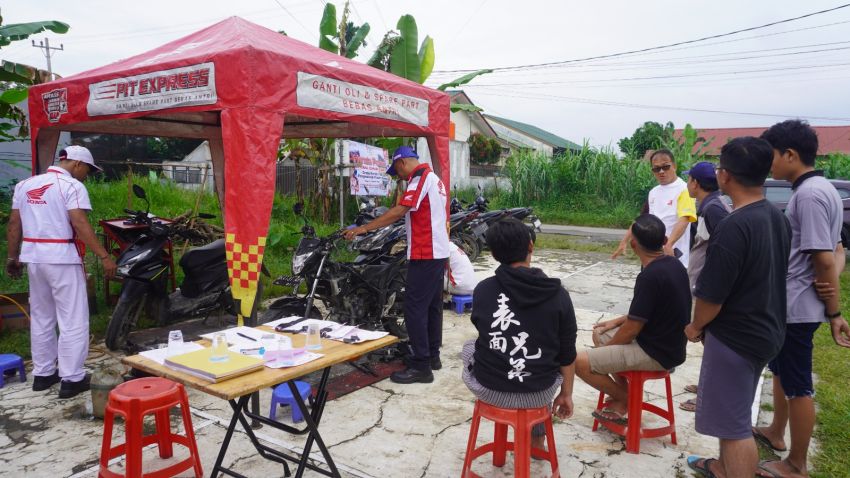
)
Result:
{"points": [[242, 87]]}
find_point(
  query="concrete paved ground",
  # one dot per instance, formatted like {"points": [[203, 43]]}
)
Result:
{"points": [[384, 430]]}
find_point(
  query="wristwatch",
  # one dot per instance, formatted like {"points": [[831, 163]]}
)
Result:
{"points": [[832, 316]]}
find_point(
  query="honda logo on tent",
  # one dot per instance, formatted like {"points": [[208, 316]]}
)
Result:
{"points": [[55, 103]]}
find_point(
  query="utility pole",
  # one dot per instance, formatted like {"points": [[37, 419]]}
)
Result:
{"points": [[45, 45]]}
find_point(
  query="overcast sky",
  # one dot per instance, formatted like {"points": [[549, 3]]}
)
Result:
{"points": [[799, 68]]}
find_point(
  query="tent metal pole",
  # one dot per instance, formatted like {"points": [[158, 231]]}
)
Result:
{"points": [[340, 170]]}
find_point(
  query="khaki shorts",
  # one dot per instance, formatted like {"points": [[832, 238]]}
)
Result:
{"points": [[619, 358]]}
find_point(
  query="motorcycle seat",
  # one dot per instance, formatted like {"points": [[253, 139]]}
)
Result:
{"points": [[209, 253]]}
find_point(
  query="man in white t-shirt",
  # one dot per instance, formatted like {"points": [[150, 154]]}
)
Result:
{"points": [[460, 276], [48, 231], [670, 202], [423, 205]]}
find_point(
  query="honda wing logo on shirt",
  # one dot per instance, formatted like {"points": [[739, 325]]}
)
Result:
{"points": [[408, 196], [34, 195]]}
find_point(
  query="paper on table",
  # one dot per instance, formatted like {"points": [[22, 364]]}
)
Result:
{"points": [[233, 337], [159, 355], [349, 331], [299, 359]]}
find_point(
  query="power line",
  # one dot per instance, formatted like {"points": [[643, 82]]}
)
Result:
{"points": [[507, 93], [295, 18], [659, 77], [659, 47]]}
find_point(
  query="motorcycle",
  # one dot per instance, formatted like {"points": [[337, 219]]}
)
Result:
{"points": [[367, 294], [144, 269]]}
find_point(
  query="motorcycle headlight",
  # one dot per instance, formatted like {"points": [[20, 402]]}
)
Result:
{"points": [[298, 261], [398, 247], [124, 270]]}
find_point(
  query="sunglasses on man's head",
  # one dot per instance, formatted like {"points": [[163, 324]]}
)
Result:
{"points": [[663, 167]]}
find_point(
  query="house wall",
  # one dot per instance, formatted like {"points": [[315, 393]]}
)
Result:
{"points": [[521, 138], [16, 156], [463, 125], [459, 166]]}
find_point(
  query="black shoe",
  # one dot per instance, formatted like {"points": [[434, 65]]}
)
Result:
{"points": [[43, 382], [435, 362], [72, 389], [412, 375]]}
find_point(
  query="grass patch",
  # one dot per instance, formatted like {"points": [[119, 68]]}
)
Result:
{"points": [[768, 407], [832, 366], [560, 241]]}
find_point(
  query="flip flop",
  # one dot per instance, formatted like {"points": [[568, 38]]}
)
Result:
{"points": [[705, 469], [691, 388], [689, 405], [763, 472], [765, 441], [610, 416]]}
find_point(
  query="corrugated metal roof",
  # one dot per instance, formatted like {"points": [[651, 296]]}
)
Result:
{"points": [[534, 131]]}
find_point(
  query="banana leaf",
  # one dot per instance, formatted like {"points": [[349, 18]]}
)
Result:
{"points": [[455, 107], [20, 31], [404, 59], [357, 40], [328, 30], [14, 95], [426, 59], [17, 72], [382, 53], [463, 79]]}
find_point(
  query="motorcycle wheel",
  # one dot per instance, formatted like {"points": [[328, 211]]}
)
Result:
{"points": [[124, 318], [394, 322]]}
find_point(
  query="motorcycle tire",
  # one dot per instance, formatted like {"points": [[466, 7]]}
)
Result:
{"points": [[124, 318]]}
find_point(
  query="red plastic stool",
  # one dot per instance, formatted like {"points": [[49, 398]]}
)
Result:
{"points": [[632, 430], [522, 420], [133, 400]]}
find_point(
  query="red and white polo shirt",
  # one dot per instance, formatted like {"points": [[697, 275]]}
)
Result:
{"points": [[44, 202], [426, 221]]}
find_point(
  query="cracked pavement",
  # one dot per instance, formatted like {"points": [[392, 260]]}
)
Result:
{"points": [[384, 429]]}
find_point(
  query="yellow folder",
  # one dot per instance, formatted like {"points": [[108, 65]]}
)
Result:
{"points": [[198, 363]]}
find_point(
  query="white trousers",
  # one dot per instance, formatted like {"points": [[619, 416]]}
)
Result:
{"points": [[58, 297]]}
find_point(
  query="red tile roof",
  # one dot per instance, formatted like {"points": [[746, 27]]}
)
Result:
{"points": [[831, 139]]}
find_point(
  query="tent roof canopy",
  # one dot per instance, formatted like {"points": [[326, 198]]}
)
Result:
{"points": [[252, 66]]}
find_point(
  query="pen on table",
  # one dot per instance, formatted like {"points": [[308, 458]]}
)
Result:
{"points": [[246, 336]]}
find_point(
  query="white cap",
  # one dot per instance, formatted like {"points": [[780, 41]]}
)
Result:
{"points": [[78, 153]]}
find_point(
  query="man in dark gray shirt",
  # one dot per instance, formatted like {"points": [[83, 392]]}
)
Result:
{"points": [[740, 308], [816, 216]]}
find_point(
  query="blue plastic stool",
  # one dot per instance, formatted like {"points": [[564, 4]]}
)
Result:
{"points": [[11, 362], [282, 395], [460, 302]]}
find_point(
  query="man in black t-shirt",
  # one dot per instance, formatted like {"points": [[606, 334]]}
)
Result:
{"points": [[740, 307], [651, 336]]}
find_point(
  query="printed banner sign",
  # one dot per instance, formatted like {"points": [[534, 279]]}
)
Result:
{"points": [[324, 93], [368, 175], [185, 86], [55, 103]]}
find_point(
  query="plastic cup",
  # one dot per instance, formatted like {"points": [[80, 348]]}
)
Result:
{"points": [[175, 343], [314, 337], [219, 348], [284, 350], [268, 345]]}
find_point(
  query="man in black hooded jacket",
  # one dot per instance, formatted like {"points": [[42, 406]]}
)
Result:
{"points": [[525, 350]]}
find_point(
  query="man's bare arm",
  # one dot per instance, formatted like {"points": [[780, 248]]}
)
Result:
{"points": [[14, 235], [678, 229], [627, 332]]}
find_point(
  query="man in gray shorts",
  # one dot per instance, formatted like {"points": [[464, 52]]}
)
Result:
{"points": [[651, 336], [740, 307], [816, 217]]}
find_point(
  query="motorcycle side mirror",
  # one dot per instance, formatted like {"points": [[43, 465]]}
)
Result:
{"points": [[139, 192], [298, 208], [204, 215]]}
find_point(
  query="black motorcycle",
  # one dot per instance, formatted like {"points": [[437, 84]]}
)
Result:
{"points": [[143, 267], [366, 294]]}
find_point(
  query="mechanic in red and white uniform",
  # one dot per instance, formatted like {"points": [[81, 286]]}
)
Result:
{"points": [[424, 207], [48, 231]]}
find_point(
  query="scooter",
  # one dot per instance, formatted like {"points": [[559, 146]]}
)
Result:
{"points": [[143, 267]]}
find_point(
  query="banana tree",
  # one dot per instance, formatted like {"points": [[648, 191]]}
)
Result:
{"points": [[344, 37], [16, 77]]}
